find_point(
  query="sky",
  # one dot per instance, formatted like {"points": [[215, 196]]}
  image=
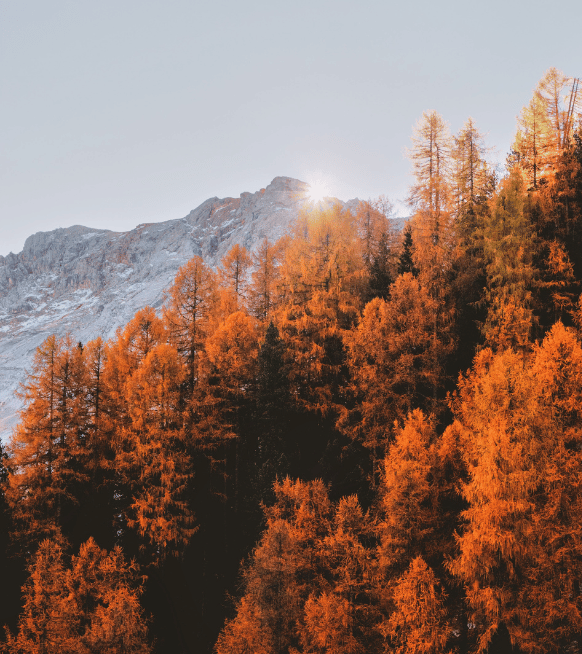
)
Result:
{"points": [[120, 112]]}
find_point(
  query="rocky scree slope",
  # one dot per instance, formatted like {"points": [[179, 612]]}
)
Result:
{"points": [[88, 282]]}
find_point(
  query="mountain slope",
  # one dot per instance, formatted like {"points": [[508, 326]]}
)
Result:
{"points": [[88, 282]]}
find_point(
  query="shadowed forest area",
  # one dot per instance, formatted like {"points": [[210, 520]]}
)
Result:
{"points": [[354, 440]]}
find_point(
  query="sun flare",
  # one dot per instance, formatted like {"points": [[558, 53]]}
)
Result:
{"points": [[317, 191]]}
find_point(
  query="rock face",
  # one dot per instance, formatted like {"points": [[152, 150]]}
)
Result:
{"points": [[88, 282]]}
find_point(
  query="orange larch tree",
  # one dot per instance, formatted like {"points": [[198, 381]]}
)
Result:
{"points": [[262, 290], [342, 616], [395, 362], [189, 313], [49, 448], [518, 555], [283, 570], [151, 456], [233, 273], [419, 623], [509, 245], [90, 605]]}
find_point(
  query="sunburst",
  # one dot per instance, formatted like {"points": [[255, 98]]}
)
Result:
{"points": [[317, 191]]}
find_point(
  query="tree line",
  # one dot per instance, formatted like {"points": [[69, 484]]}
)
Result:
{"points": [[351, 440]]}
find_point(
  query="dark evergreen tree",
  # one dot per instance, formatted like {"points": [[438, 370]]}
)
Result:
{"points": [[272, 405], [3, 470], [12, 572], [380, 277], [406, 261]]}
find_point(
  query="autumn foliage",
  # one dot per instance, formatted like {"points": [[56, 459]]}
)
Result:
{"points": [[351, 440]]}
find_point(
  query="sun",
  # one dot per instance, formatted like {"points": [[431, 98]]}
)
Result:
{"points": [[317, 191]]}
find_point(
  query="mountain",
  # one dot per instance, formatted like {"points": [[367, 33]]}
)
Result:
{"points": [[88, 282]]}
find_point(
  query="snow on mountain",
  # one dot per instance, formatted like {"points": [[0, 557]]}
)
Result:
{"points": [[87, 282]]}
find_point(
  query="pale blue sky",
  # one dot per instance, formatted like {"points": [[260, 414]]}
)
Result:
{"points": [[114, 113]]}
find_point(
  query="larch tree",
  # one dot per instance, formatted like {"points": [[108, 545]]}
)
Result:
{"points": [[376, 240], [407, 522], [472, 179], [232, 353], [284, 568], [430, 155], [233, 273], [141, 334], [89, 605], [545, 127], [508, 245], [263, 287], [562, 109], [49, 447], [394, 361], [518, 554], [124, 354], [342, 617], [529, 150], [419, 622], [188, 312], [321, 276], [151, 455], [323, 255], [433, 224]]}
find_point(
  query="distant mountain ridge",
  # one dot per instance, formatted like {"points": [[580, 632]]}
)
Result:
{"points": [[89, 282]]}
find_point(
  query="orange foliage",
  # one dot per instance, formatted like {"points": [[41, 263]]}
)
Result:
{"points": [[189, 312], [49, 449], [90, 606], [151, 456], [518, 553], [395, 358], [419, 623], [233, 273]]}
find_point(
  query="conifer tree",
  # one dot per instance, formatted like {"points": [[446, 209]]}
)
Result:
{"points": [[232, 351], [430, 155], [270, 458], [323, 279], [284, 568], [324, 255], [374, 232], [233, 273], [232, 359], [394, 362], [419, 623], [529, 150], [408, 521], [189, 313], [406, 260], [91, 605], [380, 277], [344, 616], [150, 455], [509, 249], [516, 553], [472, 181], [49, 447], [545, 128], [262, 289]]}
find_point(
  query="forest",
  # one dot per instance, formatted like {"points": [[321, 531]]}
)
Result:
{"points": [[353, 440]]}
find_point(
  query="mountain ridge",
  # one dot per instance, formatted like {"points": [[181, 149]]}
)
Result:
{"points": [[88, 281]]}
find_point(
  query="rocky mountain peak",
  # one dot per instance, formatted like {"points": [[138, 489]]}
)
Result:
{"points": [[88, 282]]}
